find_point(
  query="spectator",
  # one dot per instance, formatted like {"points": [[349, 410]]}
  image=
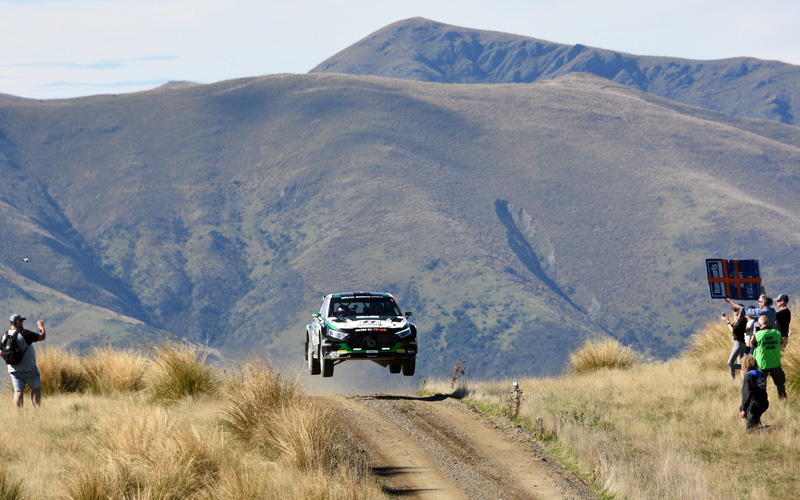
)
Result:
{"points": [[737, 328], [754, 393], [766, 349], [783, 317], [26, 372], [764, 308]]}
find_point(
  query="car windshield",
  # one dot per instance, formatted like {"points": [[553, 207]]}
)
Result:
{"points": [[363, 306]]}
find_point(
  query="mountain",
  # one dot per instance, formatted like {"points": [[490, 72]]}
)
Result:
{"points": [[513, 220], [419, 49]]}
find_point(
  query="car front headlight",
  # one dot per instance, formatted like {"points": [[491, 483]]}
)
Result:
{"points": [[404, 333], [336, 334]]}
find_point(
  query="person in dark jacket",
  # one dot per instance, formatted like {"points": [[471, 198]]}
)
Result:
{"points": [[783, 318], [737, 327], [754, 393]]}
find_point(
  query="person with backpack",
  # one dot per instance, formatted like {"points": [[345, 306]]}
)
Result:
{"points": [[21, 359]]}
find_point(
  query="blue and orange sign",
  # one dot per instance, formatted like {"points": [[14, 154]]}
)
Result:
{"points": [[737, 279]]}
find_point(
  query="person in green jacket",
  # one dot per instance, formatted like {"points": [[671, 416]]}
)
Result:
{"points": [[767, 351]]}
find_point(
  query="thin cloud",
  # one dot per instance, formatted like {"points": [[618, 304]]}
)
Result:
{"points": [[102, 64], [145, 83]]}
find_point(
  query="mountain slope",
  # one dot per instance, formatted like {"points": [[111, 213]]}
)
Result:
{"points": [[513, 220], [419, 49]]}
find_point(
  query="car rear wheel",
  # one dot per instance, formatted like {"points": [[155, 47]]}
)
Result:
{"points": [[313, 363], [409, 366], [394, 367]]}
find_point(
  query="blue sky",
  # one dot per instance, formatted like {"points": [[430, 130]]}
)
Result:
{"points": [[71, 48]]}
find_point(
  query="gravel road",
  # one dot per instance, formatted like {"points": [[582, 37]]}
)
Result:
{"points": [[437, 447]]}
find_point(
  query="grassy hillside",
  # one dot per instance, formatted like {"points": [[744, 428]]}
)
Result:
{"points": [[513, 220], [666, 430], [117, 424], [424, 50]]}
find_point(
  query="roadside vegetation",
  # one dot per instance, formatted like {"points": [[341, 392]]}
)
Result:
{"points": [[642, 430], [163, 424]]}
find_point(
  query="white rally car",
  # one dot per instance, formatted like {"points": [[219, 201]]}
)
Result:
{"points": [[361, 325]]}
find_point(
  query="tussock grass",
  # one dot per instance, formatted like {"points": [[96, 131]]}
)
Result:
{"points": [[114, 440], [790, 362], [10, 489], [61, 371], [142, 449], [267, 412], [663, 429], [597, 354], [179, 370], [708, 342], [256, 389], [110, 370]]}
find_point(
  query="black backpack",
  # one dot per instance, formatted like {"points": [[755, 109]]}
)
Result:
{"points": [[12, 354]]}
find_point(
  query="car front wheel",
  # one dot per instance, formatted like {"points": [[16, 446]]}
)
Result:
{"points": [[327, 367], [409, 366]]}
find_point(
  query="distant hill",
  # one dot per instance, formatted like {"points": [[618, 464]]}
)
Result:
{"points": [[419, 49], [514, 220]]}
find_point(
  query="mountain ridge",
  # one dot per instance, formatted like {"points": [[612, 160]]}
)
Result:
{"points": [[227, 210], [420, 49]]}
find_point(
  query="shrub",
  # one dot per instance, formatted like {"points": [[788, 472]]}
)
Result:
{"points": [[266, 412], [790, 362], [10, 489], [141, 449], [256, 389], [602, 353], [178, 371], [711, 344], [61, 371], [112, 370]]}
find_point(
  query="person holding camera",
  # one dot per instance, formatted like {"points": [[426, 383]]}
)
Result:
{"points": [[737, 328], [764, 308], [25, 372]]}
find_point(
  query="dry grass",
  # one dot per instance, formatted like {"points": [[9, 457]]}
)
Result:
{"points": [[110, 370], [179, 370], [708, 342], [10, 489], [267, 412], [61, 370], [114, 440], [662, 430], [597, 354]]}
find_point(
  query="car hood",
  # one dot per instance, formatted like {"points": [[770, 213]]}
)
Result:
{"points": [[356, 325]]}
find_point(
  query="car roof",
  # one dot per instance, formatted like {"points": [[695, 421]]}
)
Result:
{"points": [[357, 295]]}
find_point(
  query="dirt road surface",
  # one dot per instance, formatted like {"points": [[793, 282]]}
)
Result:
{"points": [[437, 447]]}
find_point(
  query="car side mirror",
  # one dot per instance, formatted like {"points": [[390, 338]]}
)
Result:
{"points": [[317, 315], [409, 314]]}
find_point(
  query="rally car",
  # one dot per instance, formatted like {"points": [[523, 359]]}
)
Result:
{"points": [[363, 326]]}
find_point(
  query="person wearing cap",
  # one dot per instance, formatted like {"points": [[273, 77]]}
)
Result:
{"points": [[26, 372], [783, 317]]}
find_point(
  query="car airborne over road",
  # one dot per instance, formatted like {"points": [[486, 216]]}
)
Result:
{"points": [[361, 325]]}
